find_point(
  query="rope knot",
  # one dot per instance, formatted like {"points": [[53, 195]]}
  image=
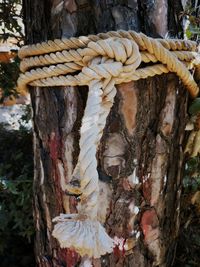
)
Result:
{"points": [[108, 58]]}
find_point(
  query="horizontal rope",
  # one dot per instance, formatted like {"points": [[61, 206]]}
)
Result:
{"points": [[82, 41], [82, 50]]}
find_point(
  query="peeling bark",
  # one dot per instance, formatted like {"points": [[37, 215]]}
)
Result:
{"points": [[139, 156]]}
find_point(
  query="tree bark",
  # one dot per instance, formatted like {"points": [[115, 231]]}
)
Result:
{"points": [[140, 155]]}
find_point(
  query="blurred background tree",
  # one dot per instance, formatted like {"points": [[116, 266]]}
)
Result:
{"points": [[16, 158]]}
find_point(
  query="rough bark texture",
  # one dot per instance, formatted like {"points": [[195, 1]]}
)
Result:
{"points": [[140, 154]]}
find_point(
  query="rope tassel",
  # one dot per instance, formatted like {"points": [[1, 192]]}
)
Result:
{"points": [[87, 237], [100, 61]]}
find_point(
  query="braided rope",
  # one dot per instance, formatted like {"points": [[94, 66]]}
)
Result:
{"points": [[69, 61], [99, 61], [81, 42]]}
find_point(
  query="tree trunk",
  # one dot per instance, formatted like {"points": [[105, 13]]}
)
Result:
{"points": [[140, 155]]}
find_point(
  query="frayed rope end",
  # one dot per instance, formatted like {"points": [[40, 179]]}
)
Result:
{"points": [[87, 237]]}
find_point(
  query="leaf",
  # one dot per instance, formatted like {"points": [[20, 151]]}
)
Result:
{"points": [[194, 29], [11, 186], [188, 34], [195, 107]]}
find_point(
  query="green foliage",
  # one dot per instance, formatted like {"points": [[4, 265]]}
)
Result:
{"points": [[188, 246], [192, 31], [195, 107], [10, 29], [191, 14], [9, 73], [189, 241], [16, 175], [191, 180], [16, 158], [10, 18]]}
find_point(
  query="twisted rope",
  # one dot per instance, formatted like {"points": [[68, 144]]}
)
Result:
{"points": [[99, 61]]}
